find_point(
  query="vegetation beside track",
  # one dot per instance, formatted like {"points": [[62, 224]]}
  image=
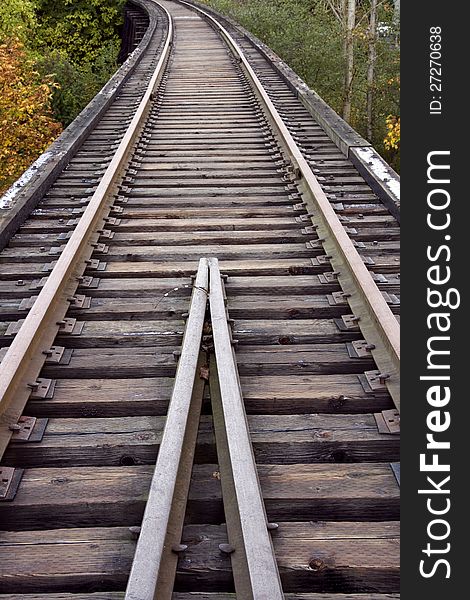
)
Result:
{"points": [[55, 55], [309, 37], [68, 50]]}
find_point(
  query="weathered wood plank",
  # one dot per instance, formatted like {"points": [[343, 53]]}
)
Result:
{"points": [[206, 211], [121, 362], [101, 334], [105, 398], [320, 438], [266, 266], [209, 224], [66, 560], [235, 286], [311, 556], [276, 438], [254, 566], [247, 307], [65, 596], [116, 496], [136, 362], [292, 284], [112, 287], [315, 556], [144, 208], [268, 394], [144, 252], [301, 359], [275, 285], [307, 393], [318, 596], [166, 307], [301, 331], [240, 307], [246, 201], [96, 441], [228, 596], [179, 238], [370, 234]]}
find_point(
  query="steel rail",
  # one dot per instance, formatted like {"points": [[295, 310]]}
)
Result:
{"points": [[25, 357], [153, 570], [376, 321], [254, 565]]}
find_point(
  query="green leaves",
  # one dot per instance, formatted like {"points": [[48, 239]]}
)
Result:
{"points": [[79, 28], [17, 19], [78, 41]]}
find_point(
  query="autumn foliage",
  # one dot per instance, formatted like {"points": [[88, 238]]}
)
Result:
{"points": [[27, 126], [392, 139], [55, 55]]}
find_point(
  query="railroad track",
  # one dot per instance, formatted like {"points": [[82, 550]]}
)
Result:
{"points": [[210, 280]]}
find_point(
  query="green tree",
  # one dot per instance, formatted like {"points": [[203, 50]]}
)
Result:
{"points": [[78, 42], [79, 28], [77, 85]]}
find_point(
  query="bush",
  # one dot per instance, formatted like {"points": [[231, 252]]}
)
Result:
{"points": [[76, 86]]}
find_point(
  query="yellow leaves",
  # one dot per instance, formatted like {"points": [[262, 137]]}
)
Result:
{"points": [[360, 34], [26, 124], [392, 138]]}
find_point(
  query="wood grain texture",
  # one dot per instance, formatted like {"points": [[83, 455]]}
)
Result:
{"points": [[288, 394], [135, 440], [114, 496], [157, 361], [319, 556], [355, 555]]}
